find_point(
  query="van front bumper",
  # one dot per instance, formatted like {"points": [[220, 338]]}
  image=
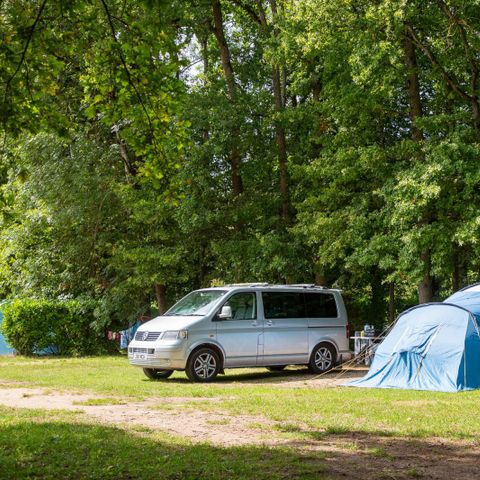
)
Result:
{"points": [[167, 357]]}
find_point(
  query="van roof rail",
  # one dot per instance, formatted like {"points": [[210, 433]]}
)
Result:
{"points": [[305, 285], [266, 284]]}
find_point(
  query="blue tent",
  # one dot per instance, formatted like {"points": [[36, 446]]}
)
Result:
{"points": [[469, 298], [435, 346], [4, 348]]}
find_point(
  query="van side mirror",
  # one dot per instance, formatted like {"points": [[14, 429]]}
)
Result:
{"points": [[225, 313]]}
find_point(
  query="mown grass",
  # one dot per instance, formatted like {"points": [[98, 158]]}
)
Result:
{"points": [[45, 445], [307, 411]]}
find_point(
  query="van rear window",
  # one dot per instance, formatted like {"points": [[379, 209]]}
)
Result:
{"points": [[299, 305], [321, 305]]}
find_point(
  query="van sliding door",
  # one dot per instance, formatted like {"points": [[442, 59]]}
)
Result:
{"points": [[285, 334]]}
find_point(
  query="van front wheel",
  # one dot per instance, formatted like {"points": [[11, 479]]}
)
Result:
{"points": [[157, 373], [203, 365], [323, 358]]}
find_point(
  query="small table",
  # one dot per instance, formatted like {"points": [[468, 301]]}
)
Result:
{"points": [[363, 344]]}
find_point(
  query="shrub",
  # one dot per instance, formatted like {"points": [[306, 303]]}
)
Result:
{"points": [[32, 325]]}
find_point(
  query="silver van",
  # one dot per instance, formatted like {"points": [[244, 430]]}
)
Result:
{"points": [[246, 325]]}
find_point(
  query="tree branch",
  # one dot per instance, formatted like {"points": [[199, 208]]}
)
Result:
{"points": [[25, 48], [127, 71], [466, 45], [262, 15], [451, 81], [249, 10]]}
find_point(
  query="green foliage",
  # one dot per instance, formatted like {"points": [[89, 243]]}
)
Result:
{"points": [[119, 130], [66, 327]]}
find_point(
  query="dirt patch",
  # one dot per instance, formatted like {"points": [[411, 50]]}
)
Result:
{"points": [[216, 427], [353, 455], [360, 455]]}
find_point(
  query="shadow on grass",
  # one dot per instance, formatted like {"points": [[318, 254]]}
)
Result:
{"points": [[62, 450], [33, 446], [382, 455], [266, 377]]}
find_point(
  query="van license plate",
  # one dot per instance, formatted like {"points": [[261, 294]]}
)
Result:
{"points": [[139, 356]]}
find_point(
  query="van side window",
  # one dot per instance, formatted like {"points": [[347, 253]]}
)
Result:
{"points": [[283, 305], [321, 305], [244, 306]]}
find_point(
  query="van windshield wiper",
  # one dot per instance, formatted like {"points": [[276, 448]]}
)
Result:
{"points": [[183, 314]]}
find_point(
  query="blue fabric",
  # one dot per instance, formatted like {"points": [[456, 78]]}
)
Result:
{"points": [[4, 348], [468, 298], [431, 347], [126, 336]]}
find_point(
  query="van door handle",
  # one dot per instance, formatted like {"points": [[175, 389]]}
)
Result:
{"points": [[269, 323], [254, 323]]}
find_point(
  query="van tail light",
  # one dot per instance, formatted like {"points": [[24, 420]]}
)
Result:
{"points": [[347, 330]]}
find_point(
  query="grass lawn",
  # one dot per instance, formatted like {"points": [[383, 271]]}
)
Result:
{"points": [[374, 434], [52, 445], [302, 411]]}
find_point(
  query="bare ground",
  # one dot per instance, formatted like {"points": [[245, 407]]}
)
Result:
{"points": [[354, 455]]}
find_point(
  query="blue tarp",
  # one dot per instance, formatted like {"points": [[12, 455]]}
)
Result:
{"points": [[4, 348], [433, 346]]}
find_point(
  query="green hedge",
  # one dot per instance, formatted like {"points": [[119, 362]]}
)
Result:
{"points": [[31, 326]]}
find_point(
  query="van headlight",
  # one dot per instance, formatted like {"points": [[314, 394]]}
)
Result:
{"points": [[175, 335]]}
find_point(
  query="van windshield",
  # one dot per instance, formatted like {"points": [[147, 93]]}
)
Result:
{"points": [[196, 303]]}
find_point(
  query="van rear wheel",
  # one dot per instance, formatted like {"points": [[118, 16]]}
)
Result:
{"points": [[323, 358], [157, 373], [203, 365]]}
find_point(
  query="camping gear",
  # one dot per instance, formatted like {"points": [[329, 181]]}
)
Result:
{"points": [[361, 348], [369, 330], [434, 346]]}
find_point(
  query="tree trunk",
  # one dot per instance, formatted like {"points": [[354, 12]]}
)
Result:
{"points": [[160, 293], [279, 95], [316, 83], [391, 302], [282, 147], [130, 170], [425, 287], [279, 81], [206, 130], [413, 86], [320, 279], [235, 157], [456, 275], [476, 114], [459, 268]]}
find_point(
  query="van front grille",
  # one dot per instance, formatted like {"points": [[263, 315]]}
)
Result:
{"points": [[150, 351], [147, 336]]}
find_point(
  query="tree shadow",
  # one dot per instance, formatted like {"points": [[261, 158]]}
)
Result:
{"points": [[31, 448], [289, 375], [63, 450]]}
